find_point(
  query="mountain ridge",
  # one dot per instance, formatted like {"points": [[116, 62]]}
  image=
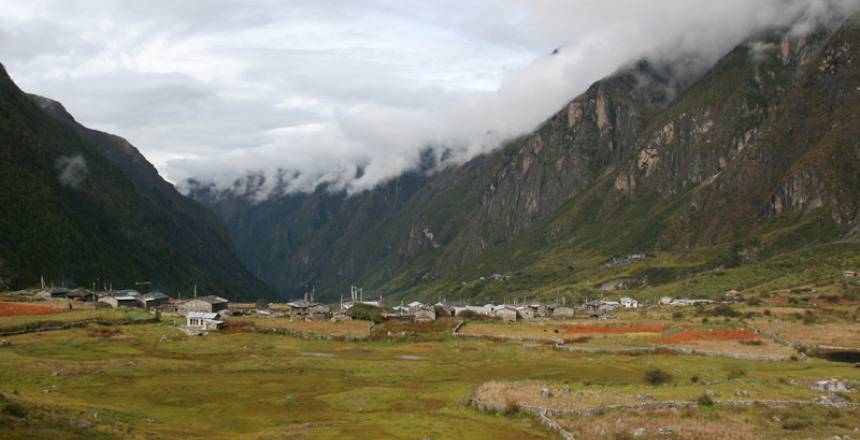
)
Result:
{"points": [[80, 205], [710, 167]]}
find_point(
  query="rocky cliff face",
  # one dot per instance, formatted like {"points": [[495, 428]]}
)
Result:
{"points": [[643, 160]]}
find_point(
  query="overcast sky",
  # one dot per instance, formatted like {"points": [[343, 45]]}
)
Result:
{"points": [[310, 90]]}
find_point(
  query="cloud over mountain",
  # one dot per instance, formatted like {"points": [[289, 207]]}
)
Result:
{"points": [[298, 93]]}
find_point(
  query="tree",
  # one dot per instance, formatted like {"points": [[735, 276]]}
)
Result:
{"points": [[262, 303]]}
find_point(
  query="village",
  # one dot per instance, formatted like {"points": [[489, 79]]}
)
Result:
{"points": [[211, 312]]}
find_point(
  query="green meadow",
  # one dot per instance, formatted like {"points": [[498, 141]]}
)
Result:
{"points": [[151, 381]]}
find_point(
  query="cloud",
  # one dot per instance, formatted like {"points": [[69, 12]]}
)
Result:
{"points": [[350, 93], [73, 170]]}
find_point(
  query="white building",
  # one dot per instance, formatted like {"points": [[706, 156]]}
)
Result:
{"points": [[203, 321], [629, 303]]}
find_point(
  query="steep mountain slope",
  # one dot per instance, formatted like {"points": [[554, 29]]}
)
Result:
{"points": [[422, 226], [756, 158], [80, 205]]}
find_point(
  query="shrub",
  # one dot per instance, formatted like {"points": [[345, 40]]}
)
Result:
{"points": [[621, 435], [794, 424], [677, 315], [580, 339], [695, 378], [705, 400], [833, 299], [766, 312], [656, 376], [365, 312], [725, 310], [14, 410], [262, 304], [753, 342], [753, 301], [441, 311]]}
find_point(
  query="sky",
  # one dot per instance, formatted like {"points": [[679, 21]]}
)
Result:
{"points": [[347, 92]]}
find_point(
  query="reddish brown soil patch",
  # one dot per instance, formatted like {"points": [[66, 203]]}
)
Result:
{"points": [[606, 330], [11, 309], [724, 335]]}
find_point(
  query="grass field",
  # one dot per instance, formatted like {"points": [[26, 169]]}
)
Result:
{"points": [[152, 381], [731, 338], [338, 328], [60, 315]]}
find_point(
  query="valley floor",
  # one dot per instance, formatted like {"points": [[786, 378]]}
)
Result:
{"points": [[151, 381]]}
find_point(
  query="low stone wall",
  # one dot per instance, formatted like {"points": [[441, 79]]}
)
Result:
{"points": [[553, 426], [312, 336], [75, 324], [505, 337], [671, 349], [669, 404], [635, 350], [457, 328]]}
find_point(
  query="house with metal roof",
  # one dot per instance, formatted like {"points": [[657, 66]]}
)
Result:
{"points": [[209, 304], [203, 321], [153, 299]]}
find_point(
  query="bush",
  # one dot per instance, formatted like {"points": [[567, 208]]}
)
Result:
{"points": [[656, 376], [14, 410], [753, 301], [580, 340], [695, 378], [365, 312], [441, 311], [752, 342], [725, 310], [262, 304], [677, 315], [794, 424]]}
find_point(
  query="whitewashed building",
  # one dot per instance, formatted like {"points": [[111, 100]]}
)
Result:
{"points": [[203, 321], [629, 303]]}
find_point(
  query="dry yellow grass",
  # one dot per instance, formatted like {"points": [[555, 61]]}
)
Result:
{"points": [[767, 348], [350, 328], [530, 393], [839, 334]]}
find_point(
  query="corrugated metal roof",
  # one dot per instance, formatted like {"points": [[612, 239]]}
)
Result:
{"points": [[201, 315]]}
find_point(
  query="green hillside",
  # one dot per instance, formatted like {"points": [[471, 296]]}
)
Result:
{"points": [[71, 215]]}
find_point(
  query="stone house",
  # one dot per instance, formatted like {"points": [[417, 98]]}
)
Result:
{"points": [[153, 300], [82, 295], [563, 312], [541, 310], [120, 300], [308, 310], [424, 314], [525, 312], [208, 304], [507, 314]]}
